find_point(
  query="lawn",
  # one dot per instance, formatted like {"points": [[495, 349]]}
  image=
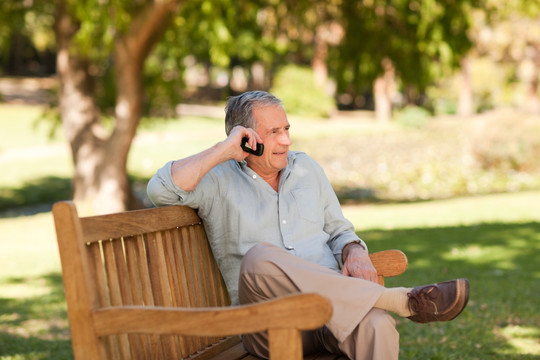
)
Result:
{"points": [[493, 240], [502, 320]]}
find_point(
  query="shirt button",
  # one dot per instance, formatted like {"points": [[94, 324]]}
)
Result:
{"points": [[254, 176], [289, 247], [284, 222]]}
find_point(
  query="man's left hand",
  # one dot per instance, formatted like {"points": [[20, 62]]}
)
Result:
{"points": [[356, 263]]}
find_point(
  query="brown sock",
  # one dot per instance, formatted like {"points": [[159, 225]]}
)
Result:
{"points": [[395, 300]]}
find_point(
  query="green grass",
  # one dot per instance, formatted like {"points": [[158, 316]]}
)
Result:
{"points": [[501, 262], [21, 127], [500, 258], [492, 240]]}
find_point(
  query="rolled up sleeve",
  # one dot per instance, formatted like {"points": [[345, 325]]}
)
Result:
{"points": [[162, 190], [340, 229]]}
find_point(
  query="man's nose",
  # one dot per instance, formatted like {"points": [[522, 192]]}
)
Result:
{"points": [[285, 139]]}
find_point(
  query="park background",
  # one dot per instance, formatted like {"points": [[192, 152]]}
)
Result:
{"points": [[424, 115]]}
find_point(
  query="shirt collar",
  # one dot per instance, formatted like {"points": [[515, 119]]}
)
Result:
{"points": [[291, 156]]}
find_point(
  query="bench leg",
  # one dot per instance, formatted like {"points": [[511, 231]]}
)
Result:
{"points": [[285, 344]]}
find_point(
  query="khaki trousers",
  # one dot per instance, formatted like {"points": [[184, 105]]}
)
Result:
{"points": [[356, 329]]}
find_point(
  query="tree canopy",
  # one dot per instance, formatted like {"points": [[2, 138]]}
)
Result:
{"points": [[120, 58], [424, 39]]}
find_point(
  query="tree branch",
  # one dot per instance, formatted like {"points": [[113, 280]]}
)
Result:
{"points": [[149, 25]]}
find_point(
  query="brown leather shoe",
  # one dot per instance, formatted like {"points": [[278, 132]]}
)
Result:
{"points": [[438, 302]]}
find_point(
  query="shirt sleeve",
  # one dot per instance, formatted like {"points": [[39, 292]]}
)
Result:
{"points": [[163, 191], [340, 230]]}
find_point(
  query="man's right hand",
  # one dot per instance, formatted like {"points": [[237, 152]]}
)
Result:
{"points": [[234, 140]]}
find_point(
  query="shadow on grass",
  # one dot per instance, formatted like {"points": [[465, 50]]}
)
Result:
{"points": [[39, 195], [502, 319], [34, 197], [356, 195], [34, 326]]}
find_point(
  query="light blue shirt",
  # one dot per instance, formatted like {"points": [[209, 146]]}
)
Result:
{"points": [[239, 209]]}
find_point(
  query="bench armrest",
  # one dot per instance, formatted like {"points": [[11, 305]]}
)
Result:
{"points": [[389, 263], [284, 318], [302, 312]]}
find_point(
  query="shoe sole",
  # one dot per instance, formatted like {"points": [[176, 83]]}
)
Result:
{"points": [[462, 287]]}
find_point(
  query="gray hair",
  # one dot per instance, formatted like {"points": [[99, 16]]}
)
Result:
{"points": [[239, 109]]}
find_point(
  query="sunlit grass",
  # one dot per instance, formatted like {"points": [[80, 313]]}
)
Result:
{"points": [[501, 262], [523, 339], [516, 207], [477, 255], [20, 127], [28, 246]]}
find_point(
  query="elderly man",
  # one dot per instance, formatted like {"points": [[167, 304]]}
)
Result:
{"points": [[276, 228]]}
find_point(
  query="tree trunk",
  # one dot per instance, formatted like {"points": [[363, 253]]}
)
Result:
{"points": [[465, 96], [325, 34], [533, 102], [78, 110], [318, 63], [100, 159], [384, 89]]}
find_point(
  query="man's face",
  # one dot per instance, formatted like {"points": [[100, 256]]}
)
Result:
{"points": [[273, 127]]}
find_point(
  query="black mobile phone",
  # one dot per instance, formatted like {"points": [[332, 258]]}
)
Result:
{"points": [[246, 148]]}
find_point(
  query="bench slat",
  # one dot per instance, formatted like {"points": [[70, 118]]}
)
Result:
{"points": [[136, 222]]}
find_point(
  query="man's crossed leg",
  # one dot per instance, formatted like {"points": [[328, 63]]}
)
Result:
{"points": [[360, 327]]}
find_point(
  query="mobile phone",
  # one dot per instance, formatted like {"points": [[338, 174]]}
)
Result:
{"points": [[246, 148]]}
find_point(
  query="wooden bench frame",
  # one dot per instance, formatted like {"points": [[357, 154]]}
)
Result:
{"points": [[144, 285]]}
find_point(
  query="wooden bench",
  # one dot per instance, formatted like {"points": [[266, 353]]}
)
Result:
{"points": [[144, 285]]}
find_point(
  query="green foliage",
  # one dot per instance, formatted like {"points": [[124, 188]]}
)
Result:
{"points": [[491, 83], [220, 33], [100, 22], [424, 39], [163, 83], [223, 33], [31, 19], [295, 86]]}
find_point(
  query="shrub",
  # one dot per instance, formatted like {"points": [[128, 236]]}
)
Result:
{"points": [[412, 116], [507, 143], [295, 86]]}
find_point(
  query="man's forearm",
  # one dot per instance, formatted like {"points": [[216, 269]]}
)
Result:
{"points": [[187, 173]]}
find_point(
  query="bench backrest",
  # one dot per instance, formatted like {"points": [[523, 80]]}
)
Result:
{"points": [[151, 257]]}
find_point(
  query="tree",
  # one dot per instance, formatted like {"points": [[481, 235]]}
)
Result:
{"points": [[99, 40], [104, 58], [465, 97], [84, 38], [419, 40], [510, 34]]}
